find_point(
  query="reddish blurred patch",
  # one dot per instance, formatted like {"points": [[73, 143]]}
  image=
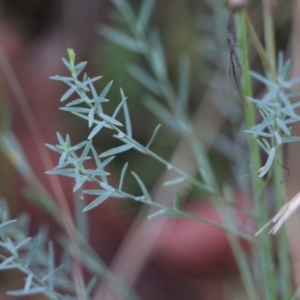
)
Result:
{"points": [[195, 248]]}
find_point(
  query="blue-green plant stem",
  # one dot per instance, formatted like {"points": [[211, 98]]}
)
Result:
{"points": [[265, 249], [173, 212], [284, 266], [191, 179], [284, 263]]}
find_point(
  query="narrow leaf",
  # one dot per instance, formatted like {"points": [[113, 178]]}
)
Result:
{"points": [[90, 286], [63, 172], [126, 115], [157, 57], [145, 79], [91, 117], [7, 223], [32, 291], [163, 115], [97, 201], [6, 262], [75, 102], [28, 283], [283, 127], [79, 68], [116, 150], [68, 93], [175, 181], [269, 162], [110, 119], [51, 264], [122, 176], [183, 82], [145, 13], [96, 129], [264, 80], [156, 214], [120, 38], [107, 187], [86, 150], [106, 162], [79, 182], [278, 138], [106, 90], [176, 202], [153, 136], [118, 107], [54, 148], [290, 139], [33, 249], [142, 186]]}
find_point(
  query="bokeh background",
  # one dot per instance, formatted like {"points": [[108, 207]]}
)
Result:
{"points": [[164, 259]]}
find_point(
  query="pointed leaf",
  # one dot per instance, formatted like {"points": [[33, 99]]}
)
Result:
{"points": [[91, 117], [106, 90], [145, 79], [79, 182], [90, 286], [127, 116], [28, 283], [145, 13], [110, 119], [122, 176], [33, 250], [107, 187], [264, 80], [156, 214], [6, 262], [32, 291], [79, 68], [118, 107], [175, 181], [120, 38], [183, 82], [283, 127], [116, 150], [54, 148], [163, 115], [176, 202], [97, 201], [269, 163], [278, 138], [290, 139], [68, 93], [96, 129], [153, 136], [142, 186]]}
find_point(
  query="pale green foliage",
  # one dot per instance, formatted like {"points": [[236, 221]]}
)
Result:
{"points": [[72, 165], [277, 112], [35, 258]]}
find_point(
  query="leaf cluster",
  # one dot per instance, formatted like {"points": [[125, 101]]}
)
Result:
{"points": [[35, 258], [277, 112]]}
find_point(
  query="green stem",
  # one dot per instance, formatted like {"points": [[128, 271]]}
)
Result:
{"points": [[284, 263], [265, 249], [284, 267]]}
